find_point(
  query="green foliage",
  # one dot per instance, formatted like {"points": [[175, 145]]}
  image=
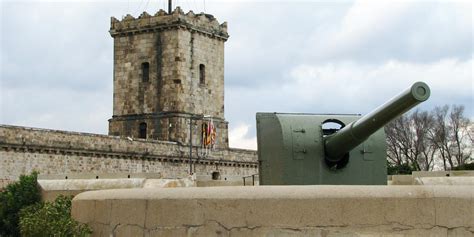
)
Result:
{"points": [[15, 197], [51, 219], [469, 166], [399, 169]]}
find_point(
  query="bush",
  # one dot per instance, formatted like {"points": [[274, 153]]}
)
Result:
{"points": [[15, 197], [51, 219], [399, 169], [469, 166]]}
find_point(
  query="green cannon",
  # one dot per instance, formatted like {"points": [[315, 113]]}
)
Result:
{"points": [[305, 149]]}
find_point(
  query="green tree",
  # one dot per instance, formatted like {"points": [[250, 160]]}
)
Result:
{"points": [[51, 219], [13, 198]]}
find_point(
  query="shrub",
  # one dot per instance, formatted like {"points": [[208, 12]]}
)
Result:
{"points": [[51, 219], [399, 169], [469, 166], [13, 198]]}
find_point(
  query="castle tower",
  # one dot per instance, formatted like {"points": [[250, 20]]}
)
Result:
{"points": [[168, 76]]}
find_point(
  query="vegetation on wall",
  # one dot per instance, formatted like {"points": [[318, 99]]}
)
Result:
{"points": [[440, 139], [15, 197], [51, 219]]}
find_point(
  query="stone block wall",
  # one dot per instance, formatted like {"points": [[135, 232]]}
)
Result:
{"points": [[185, 56], [23, 150], [169, 127]]}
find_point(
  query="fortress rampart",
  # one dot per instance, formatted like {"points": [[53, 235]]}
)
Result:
{"points": [[59, 152]]}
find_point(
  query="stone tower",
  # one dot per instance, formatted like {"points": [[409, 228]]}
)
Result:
{"points": [[168, 76]]}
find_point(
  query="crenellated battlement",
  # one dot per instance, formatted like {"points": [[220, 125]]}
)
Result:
{"points": [[202, 23]]}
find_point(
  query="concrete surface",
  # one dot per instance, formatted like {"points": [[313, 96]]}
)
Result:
{"points": [[75, 184], [280, 211], [443, 180], [401, 179], [50, 189], [443, 173]]}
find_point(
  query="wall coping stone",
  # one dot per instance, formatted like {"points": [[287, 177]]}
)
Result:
{"points": [[324, 210]]}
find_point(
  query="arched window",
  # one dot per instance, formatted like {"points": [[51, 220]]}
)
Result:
{"points": [[202, 74], [145, 71], [142, 131]]}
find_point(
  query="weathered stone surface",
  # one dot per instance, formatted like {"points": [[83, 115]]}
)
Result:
{"points": [[288, 210], [173, 98], [61, 153]]}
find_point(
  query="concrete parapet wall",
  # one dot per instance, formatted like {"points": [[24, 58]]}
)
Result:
{"points": [[50, 189], [460, 177], [450, 173], [62, 153], [402, 179], [280, 211], [443, 180]]}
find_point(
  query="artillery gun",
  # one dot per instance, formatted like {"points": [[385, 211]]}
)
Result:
{"points": [[299, 149]]}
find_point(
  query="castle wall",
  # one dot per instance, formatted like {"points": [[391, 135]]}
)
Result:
{"points": [[23, 150], [132, 95], [208, 97]]}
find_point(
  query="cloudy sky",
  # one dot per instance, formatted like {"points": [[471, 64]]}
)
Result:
{"points": [[282, 56]]}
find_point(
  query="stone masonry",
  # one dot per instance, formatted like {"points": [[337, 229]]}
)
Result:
{"points": [[168, 76], [23, 150], [168, 81]]}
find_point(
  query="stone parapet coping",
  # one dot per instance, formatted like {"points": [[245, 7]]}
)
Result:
{"points": [[280, 210]]}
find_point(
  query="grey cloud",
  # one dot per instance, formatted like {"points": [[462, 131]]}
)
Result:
{"points": [[45, 48], [421, 32], [57, 57], [268, 38]]}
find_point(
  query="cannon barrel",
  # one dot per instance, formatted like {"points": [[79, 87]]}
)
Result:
{"points": [[337, 145]]}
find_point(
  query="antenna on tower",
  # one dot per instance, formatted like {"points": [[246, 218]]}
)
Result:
{"points": [[169, 6]]}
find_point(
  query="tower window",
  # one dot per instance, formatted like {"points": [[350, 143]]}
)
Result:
{"points": [[202, 74], [142, 131], [145, 71]]}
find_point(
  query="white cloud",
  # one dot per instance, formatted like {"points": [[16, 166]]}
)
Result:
{"points": [[364, 20], [59, 109], [404, 30], [238, 138], [308, 56], [352, 83], [350, 87]]}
